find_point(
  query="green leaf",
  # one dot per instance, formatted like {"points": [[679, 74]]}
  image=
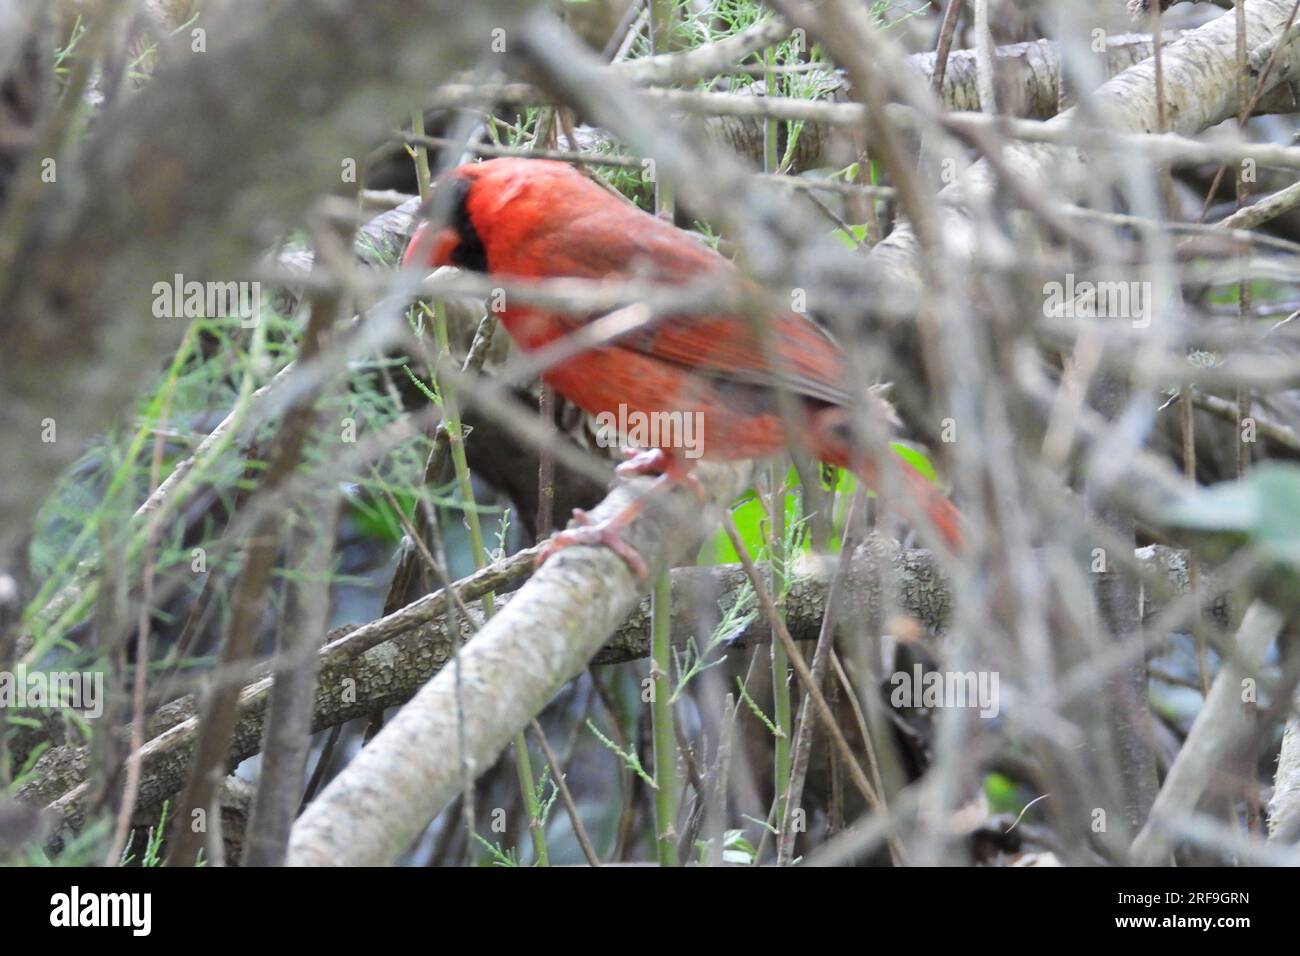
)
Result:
{"points": [[749, 513], [854, 236], [1265, 507], [1003, 794], [375, 516], [429, 391], [916, 459]]}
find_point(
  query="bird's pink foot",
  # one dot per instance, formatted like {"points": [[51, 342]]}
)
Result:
{"points": [[645, 461], [671, 469], [608, 533], [656, 461]]}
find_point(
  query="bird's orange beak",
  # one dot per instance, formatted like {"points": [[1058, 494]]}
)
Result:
{"points": [[431, 247]]}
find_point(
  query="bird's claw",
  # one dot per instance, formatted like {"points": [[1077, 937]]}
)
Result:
{"points": [[656, 461], [644, 461], [609, 533], [596, 534]]}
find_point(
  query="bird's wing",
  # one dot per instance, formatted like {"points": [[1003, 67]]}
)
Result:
{"points": [[805, 360]]}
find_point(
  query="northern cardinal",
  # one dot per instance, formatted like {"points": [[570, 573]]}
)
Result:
{"points": [[523, 218]]}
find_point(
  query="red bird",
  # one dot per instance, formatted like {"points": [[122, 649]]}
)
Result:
{"points": [[525, 219]]}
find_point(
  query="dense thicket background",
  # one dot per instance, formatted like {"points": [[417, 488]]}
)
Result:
{"points": [[295, 535]]}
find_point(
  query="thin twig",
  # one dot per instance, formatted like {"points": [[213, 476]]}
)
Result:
{"points": [[557, 774]]}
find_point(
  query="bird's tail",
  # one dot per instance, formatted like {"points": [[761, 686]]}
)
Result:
{"points": [[831, 445], [943, 514]]}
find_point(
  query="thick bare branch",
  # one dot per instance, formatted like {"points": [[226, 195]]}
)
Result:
{"points": [[547, 634], [383, 663], [1222, 728]]}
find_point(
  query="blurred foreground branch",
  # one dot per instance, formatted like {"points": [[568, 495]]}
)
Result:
{"points": [[191, 176]]}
